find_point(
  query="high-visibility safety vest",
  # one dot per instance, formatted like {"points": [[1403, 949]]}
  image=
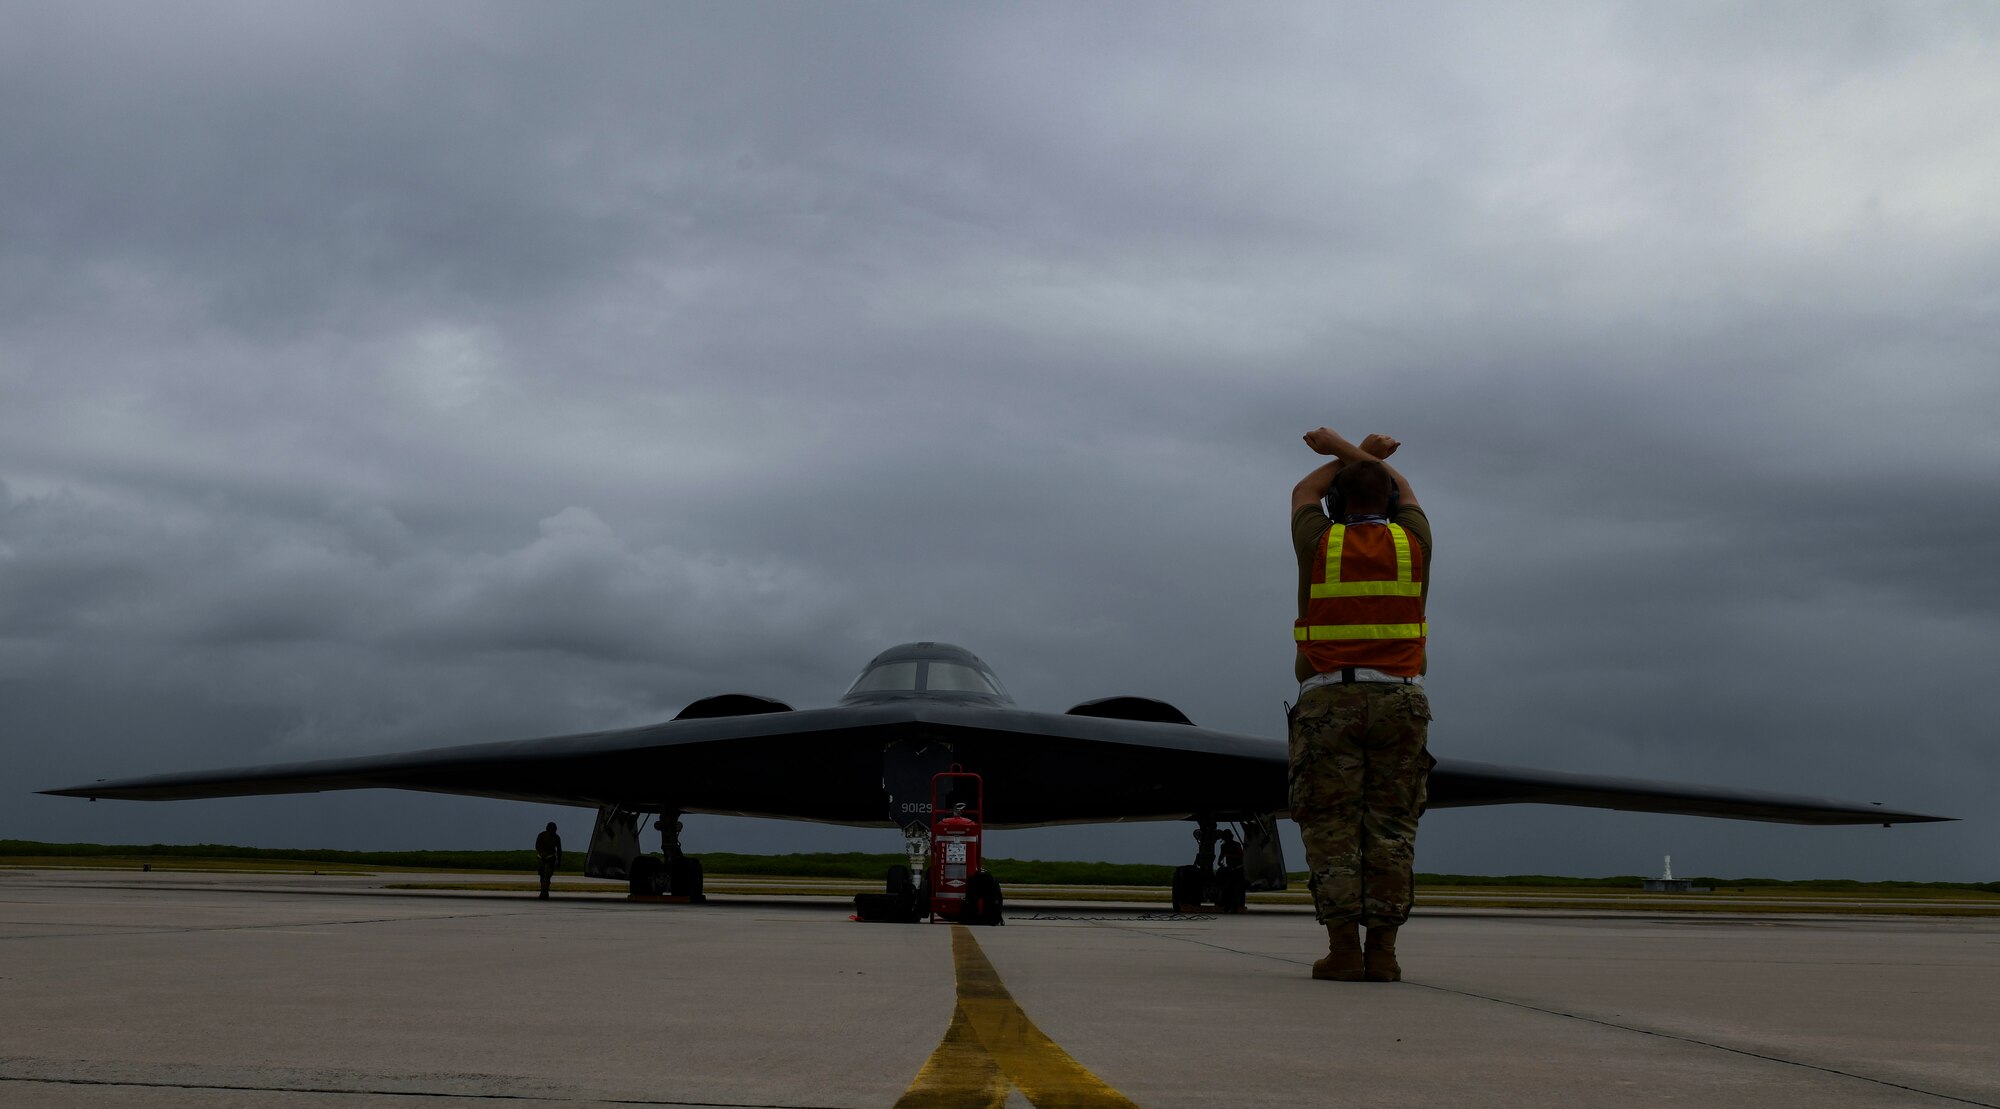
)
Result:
{"points": [[1366, 604]]}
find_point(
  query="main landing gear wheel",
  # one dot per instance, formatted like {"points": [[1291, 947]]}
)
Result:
{"points": [[1187, 888], [643, 876], [1232, 891], [684, 879]]}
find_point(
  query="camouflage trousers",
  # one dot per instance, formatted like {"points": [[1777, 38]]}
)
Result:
{"points": [[1359, 774]]}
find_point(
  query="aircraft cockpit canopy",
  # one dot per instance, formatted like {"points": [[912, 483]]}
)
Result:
{"points": [[927, 670]]}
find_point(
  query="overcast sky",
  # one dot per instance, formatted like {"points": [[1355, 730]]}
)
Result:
{"points": [[378, 376]]}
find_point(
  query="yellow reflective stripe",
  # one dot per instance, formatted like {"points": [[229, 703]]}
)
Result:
{"points": [[1369, 589], [1361, 631], [1403, 586], [1336, 541]]}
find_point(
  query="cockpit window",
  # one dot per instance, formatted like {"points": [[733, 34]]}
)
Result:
{"points": [[926, 676], [887, 677], [950, 677]]}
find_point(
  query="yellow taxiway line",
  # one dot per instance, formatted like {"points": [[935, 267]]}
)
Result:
{"points": [[991, 1044]]}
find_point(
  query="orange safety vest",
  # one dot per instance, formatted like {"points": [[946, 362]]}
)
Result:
{"points": [[1366, 605]]}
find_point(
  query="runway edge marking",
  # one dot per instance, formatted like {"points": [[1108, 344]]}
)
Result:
{"points": [[991, 1044]]}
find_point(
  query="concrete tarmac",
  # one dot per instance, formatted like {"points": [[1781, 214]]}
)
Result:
{"points": [[170, 989]]}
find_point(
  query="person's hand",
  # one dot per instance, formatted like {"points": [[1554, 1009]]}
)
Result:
{"points": [[1381, 446], [1322, 440]]}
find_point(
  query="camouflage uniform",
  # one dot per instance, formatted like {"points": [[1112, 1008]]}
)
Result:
{"points": [[1359, 772]]}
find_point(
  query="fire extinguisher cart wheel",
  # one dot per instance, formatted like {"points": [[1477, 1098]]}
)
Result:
{"points": [[982, 901]]}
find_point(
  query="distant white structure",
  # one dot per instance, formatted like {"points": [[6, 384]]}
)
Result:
{"points": [[1666, 882]]}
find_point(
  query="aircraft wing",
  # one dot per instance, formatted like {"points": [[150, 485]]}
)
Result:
{"points": [[1456, 783], [834, 765]]}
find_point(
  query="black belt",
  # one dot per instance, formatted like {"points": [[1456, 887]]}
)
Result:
{"points": [[1357, 675]]}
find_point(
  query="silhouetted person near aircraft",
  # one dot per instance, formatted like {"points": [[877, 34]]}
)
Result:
{"points": [[1229, 852], [548, 856], [1359, 767]]}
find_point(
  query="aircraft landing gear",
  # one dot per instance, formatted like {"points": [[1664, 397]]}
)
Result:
{"points": [[615, 853], [944, 880], [1203, 882], [683, 874], [903, 902], [643, 877], [670, 875]]}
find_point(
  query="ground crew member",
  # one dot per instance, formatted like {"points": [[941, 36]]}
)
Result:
{"points": [[548, 856], [1230, 852], [1358, 763]]}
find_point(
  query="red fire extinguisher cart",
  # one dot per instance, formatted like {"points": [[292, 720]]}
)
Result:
{"points": [[960, 888]]}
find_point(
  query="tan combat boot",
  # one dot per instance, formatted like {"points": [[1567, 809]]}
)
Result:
{"points": [[1381, 958], [1343, 954]]}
